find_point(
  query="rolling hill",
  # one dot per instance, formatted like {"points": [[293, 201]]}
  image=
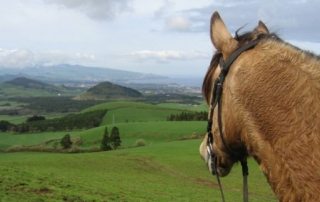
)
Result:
{"points": [[169, 171], [108, 90], [32, 84], [22, 87], [26, 87], [167, 168]]}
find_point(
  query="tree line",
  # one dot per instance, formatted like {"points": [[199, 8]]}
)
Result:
{"points": [[70, 122], [188, 116], [51, 104]]}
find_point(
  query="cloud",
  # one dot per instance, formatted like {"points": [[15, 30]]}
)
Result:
{"points": [[293, 19], [19, 58], [167, 55], [16, 58], [100, 10], [60, 57], [178, 23]]}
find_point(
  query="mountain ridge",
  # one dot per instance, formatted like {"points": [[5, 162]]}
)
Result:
{"points": [[67, 72]]}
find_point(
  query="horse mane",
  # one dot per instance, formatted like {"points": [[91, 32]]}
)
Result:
{"points": [[242, 39], [207, 82]]}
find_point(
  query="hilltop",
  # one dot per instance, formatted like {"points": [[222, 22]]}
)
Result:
{"points": [[22, 87], [108, 90]]}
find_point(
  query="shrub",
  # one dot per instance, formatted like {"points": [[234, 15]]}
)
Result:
{"points": [[66, 142], [140, 143], [5, 126], [115, 138], [35, 118], [77, 141], [105, 142], [189, 116]]}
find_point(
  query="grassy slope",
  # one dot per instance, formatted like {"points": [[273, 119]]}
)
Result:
{"points": [[14, 119], [163, 172], [198, 108], [120, 112], [152, 132], [11, 90]]}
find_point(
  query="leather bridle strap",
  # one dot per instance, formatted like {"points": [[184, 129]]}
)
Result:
{"points": [[216, 99]]}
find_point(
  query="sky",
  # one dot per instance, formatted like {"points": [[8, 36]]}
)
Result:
{"points": [[166, 37]]}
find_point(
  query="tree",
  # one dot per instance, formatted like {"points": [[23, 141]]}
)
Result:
{"points": [[36, 118], [66, 142], [115, 138], [5, 125], [105, 143]]}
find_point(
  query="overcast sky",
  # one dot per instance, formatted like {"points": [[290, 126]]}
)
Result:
{"points": [[168, 37]]}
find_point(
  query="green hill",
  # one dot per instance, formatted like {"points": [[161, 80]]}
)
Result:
{"points": [[152, 132], [107, 90], [163, 170], [25, 87], [129, 111], [33, 84]]}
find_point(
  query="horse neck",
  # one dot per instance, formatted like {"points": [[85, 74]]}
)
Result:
{"points": [[279, 96]]}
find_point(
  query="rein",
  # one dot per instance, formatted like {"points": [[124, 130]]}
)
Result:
{"points": [[216, 99]]}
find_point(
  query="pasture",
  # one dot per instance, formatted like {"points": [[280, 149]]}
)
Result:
{"points": [[167, 168], [171, 171]]}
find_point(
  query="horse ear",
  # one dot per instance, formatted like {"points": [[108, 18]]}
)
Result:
{"points": [[261, 28], [220, 36]]}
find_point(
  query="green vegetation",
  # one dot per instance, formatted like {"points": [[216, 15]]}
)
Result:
{"points": [[108, 90], [105, 142], [35, 118], [24, 87], [126, 111], [54, 104], [5, 126], [32, 84], [157, 160], [189, 116], [164, 172], [69, 122], [115, 138], [66, 142], [152, 132], [191, 107]]}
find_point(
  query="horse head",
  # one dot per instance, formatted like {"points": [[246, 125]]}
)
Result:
{"points": [[227, 148]]}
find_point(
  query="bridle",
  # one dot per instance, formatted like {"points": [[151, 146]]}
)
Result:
{"points": [[216, 100]]}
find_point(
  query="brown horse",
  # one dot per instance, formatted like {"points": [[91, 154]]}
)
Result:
{"points": [[270, 109]]}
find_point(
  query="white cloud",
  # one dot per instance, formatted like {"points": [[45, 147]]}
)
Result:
{"points": [[95, 9], [20, 58], [178, 23], [61, 57], [294, 19], [16, 58], [167, 55]]}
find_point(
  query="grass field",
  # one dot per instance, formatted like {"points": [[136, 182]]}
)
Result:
{"points": [[120, 112], [151, 132], [164, 172], [168, 168]]}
